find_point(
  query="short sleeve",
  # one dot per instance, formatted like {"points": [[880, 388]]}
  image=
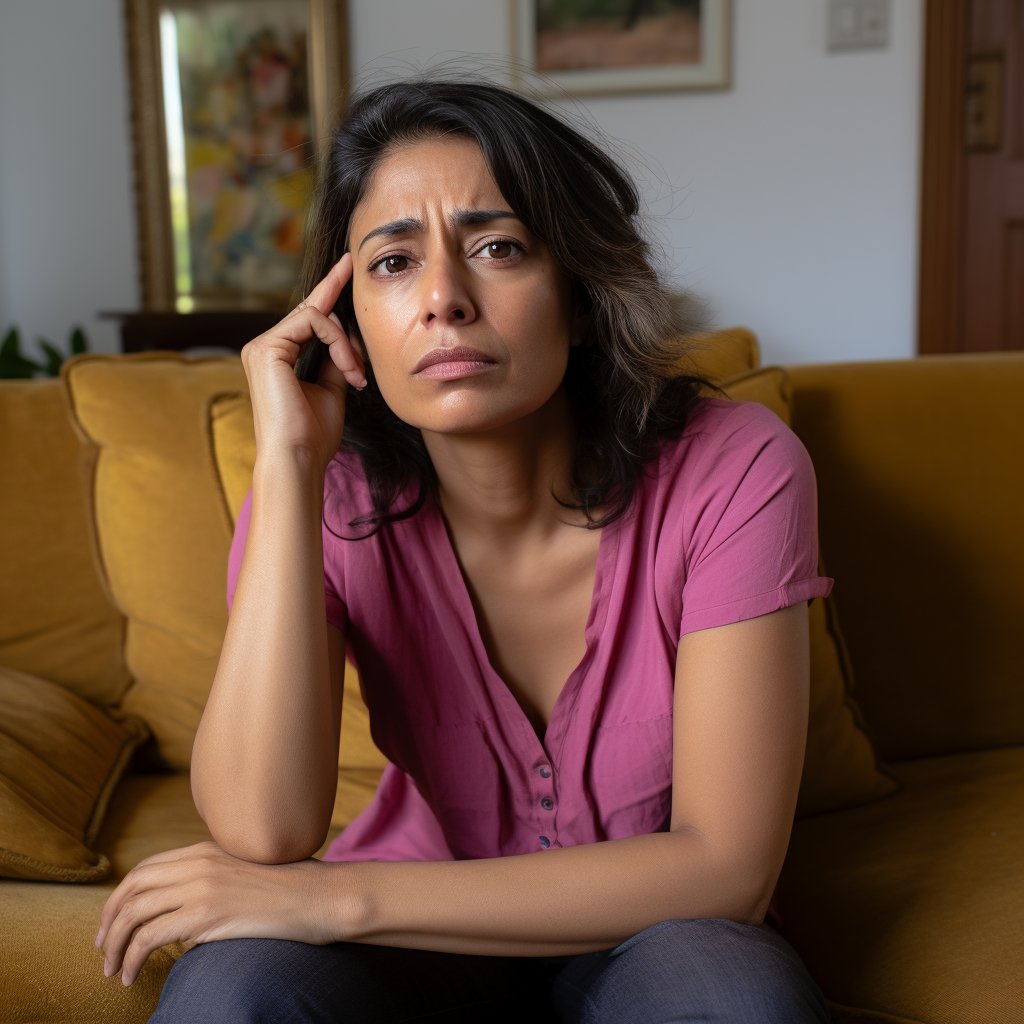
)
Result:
{"points": [[337, 613], [753, 539]]}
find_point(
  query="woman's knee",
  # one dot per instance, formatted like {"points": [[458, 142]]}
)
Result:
{"points": [[238, 981], [699, 970]]}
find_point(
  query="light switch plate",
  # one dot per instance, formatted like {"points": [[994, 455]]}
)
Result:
{"points": [[858, 25]]}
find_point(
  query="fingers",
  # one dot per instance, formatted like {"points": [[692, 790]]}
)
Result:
{"points": [[136, 925], [325, 294], [169, 927], [310, 322], [150, 873]]}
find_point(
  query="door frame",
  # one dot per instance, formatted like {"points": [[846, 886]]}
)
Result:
{"points": [[942, 176]]}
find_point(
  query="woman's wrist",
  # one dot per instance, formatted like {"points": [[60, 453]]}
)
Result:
{"points": [[348, 900], [291, 462]]}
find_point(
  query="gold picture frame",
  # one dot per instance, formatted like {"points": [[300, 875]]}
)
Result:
{"points": [[325, 69]]}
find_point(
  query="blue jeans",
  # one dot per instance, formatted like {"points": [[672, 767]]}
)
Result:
{"points": [[701, 970]]}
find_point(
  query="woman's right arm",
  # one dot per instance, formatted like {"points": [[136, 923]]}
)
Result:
{"points": [[264, 762]]}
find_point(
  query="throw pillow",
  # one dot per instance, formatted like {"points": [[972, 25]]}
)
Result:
{"points": [[162, 532], [60, 759], [55, 619]]}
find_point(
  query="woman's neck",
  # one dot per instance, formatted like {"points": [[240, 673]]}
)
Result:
{"points": [[500, 485]]}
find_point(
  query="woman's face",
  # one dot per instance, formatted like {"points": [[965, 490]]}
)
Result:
{"points": [[463, 313]]}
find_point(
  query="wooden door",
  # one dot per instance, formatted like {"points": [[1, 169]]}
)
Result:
{"points": [[993, 234], [972, 225]]}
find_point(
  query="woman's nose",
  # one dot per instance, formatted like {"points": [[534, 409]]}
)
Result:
{"points": [[445, 297]]}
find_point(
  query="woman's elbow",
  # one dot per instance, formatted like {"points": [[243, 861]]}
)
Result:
{"points": [[260, 846]]}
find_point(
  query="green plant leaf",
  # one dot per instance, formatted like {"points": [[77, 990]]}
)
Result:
{"points": [[53, 358], [79, 342], [13, 365]]}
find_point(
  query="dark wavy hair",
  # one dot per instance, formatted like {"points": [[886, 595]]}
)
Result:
{"points": [[624, 380]]}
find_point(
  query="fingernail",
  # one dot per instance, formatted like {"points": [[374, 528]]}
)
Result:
{"points": [[362, 384]]}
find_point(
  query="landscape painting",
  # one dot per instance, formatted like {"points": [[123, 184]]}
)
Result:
{"points": [[593, 46]]}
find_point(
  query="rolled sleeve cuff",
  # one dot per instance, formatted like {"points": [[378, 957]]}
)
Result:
{"points": [[750, 607]]}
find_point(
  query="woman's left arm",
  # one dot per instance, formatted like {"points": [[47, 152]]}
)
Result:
{"points": [[739, 732]]}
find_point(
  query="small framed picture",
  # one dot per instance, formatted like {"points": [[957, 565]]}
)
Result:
{"points": [[611, 46], [229, 101]]}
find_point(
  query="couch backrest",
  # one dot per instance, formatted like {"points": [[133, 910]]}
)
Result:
{"points": [[920, 469], [55, 619]]}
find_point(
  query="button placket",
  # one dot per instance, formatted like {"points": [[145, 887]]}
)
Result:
{"points": [[546, 801]]}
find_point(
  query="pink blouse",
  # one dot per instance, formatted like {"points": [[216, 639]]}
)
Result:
{"points": [[723, 528]]}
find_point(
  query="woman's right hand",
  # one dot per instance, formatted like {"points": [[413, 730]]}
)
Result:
{"points": [[292, 417]]}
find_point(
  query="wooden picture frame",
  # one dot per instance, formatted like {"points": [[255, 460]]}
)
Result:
{"points": [[585, 52], [326, 69]]}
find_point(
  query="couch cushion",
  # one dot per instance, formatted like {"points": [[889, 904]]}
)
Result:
{"points": [[60, 759], [721, 355], [920, 467], [55, 619], [162, 529], [912, 906], [48, 929]]}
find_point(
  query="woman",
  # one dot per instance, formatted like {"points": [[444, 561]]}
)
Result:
{"points": [[575, 588]]}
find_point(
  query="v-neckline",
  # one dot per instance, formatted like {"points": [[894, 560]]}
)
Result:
{"points": [[498, 688]]}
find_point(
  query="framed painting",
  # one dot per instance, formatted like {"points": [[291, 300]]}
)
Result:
{"points": [[612, 46], [230, 100]]}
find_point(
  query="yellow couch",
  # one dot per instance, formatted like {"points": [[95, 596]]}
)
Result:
{"points": [[905, 898]]}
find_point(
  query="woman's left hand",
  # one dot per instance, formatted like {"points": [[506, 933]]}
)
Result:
{"points": [[201, 894]]}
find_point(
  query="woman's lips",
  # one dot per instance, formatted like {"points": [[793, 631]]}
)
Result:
{"points": [[450, 363]]}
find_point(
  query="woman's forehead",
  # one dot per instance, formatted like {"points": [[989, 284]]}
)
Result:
{"points": [[448, 173]]}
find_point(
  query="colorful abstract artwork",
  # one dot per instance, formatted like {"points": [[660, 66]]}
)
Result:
{"points": [[240, 147]]}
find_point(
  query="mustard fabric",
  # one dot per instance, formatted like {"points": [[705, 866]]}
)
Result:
{"points": [[162, 530], [911, 906], [840, 766], [920, 469], [60, 758], [55, 619], [721, 355], [49, 969]]}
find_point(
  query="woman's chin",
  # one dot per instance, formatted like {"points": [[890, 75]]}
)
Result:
{"points": [[475, 417]]}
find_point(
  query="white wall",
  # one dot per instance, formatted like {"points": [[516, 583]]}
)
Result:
{"points": [[789, 201], [67, 230]]}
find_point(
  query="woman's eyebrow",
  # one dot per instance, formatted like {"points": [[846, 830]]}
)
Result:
{"points": [[395, 227], [460, 219], [470, 218]]}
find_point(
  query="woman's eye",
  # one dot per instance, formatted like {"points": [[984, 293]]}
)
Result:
{"points": [[395, 264], [500, 250]]}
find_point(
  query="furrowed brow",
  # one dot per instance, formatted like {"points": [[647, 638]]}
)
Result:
{"points": [[470, 218], [395, 227]]}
